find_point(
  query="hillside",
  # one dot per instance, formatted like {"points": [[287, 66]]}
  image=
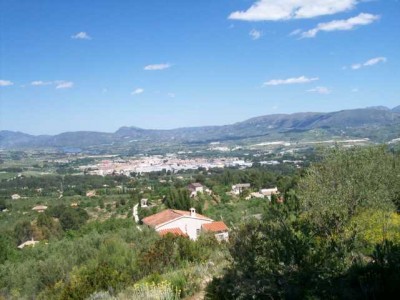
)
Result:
{"points": [[396, 109], [367, 122]]}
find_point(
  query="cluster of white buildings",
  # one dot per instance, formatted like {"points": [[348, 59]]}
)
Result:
{"points": [[159, 163], [237, 189]]}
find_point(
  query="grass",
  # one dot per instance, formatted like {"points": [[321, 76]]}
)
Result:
{"points": [[7, 175]]}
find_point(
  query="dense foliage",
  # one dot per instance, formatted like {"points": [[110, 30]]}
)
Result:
{"points": [[106, 256], [316, 244]]}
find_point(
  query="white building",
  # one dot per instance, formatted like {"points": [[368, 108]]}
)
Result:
{"points": [[15, 197], [257, 195], [187, 223], [238, 188], [31, 243], [269, 192], [40, 208], [195, 188], [143, 202]]}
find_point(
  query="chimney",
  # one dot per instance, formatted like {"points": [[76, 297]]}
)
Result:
{"points": [[192, 212]]}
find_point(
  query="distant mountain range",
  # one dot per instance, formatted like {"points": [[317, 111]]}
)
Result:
{"points": [[377, 123]]}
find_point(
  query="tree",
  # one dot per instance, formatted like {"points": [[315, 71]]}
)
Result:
{"points": [[48, 226], [23, 231], [280, 258], [178, 199], [305, 247], [7, 248], [377, 279], [346, 182], [3, 205], [73, 218]]}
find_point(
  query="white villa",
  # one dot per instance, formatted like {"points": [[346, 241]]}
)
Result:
{"points": [[185, 223], [195, 188]]}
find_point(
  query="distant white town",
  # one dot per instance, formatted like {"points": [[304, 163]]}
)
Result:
{"points": [[157, 163]]}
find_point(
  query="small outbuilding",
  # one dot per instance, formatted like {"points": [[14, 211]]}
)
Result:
{"points": [[40, 208], [30, 243], [15, 197]]}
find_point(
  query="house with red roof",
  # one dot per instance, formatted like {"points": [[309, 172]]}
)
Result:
{"points": [[185, 223]]}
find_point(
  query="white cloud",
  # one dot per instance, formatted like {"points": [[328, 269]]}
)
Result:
{"points": [[40, 83], [356, 66], [374, 61], [276, 10], [301, 79], [138, 91], [81, 36], [6, 82], [295, 32], [369, 63], [348, 24], [60, 84], [255, 34], [320, 90], [157, 67]]}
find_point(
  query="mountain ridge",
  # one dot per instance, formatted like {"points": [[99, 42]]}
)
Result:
{"points": [[372, 118]]}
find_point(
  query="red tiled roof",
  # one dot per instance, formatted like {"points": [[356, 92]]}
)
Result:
{"points": [[168, 215], [174, 231], [215, 226]]}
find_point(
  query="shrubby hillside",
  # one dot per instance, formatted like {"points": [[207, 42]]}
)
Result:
{"points": [[337, 236], [333, 232]]}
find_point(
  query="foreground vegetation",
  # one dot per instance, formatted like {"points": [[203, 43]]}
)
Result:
{"points": [[336, 235]]}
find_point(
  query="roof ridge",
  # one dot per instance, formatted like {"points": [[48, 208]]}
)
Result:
{"points": [[178, 211]]}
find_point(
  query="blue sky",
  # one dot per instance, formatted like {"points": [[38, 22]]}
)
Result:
{"points": [[99, 65]]}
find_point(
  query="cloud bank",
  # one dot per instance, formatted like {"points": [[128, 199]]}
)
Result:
{"points": [[5, 82], [278, 10], [137, 91], [369, 63], [81, 36], [340, 25], [294, 80], [156, 67]]}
